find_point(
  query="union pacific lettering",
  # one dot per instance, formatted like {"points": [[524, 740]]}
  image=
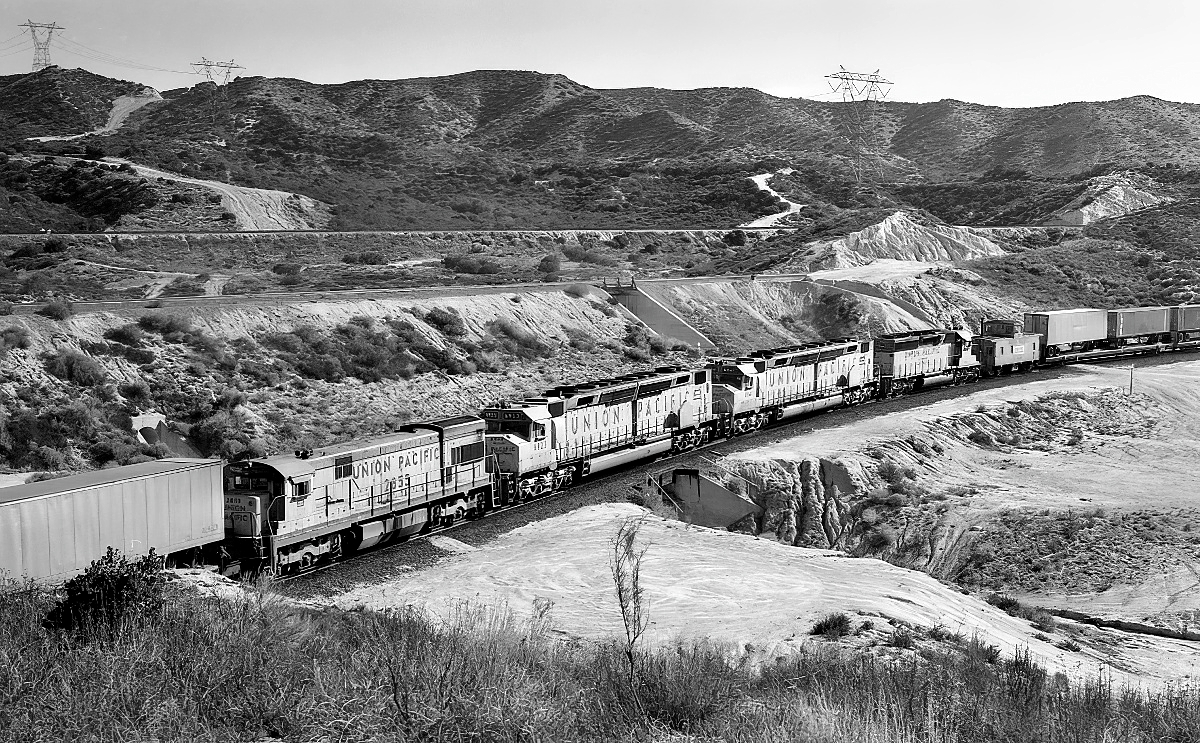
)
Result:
{"points": [[668, 401], [399, 462], [582, 421]]}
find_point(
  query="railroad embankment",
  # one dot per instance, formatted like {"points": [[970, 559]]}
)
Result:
{"points": [[1070, 494], [310, 373]]}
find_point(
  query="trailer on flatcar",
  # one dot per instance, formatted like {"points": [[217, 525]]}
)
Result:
{"points": [[285, 513], [1068, 331], [53, 529]]}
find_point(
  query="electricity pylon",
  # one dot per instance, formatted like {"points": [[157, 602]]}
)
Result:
{"points": [[214, 70], [41, 45], [218, 74], [862, 94]]}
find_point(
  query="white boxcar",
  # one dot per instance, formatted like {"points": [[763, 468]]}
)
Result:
{"points": [[52, 530]]}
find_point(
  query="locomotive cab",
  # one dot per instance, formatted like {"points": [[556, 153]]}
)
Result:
{"points": [[519, 438]]}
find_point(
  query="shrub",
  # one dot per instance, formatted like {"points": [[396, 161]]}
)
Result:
{"points": [[978, 650], [13, 337], [448, 322], [57, 309], [832, 626], [1005, 603], [112, 588], [76, 368], [901, 638], [472, 264], [6, 308], [982, 438], [505, 335], [1069, 645], [550, 264], [130, 335], [137, 391], [939, 632], [290, 269]]}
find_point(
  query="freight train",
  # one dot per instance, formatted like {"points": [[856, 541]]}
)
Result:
{"points": [[284, 514]]}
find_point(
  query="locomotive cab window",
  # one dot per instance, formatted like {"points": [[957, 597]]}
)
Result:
{"points": [[516, 428], [301, 489], [343, 467], [539, 432]]}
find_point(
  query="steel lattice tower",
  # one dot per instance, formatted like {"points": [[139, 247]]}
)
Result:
{"points": [[862, 94], [41, 45], [214, 70]]}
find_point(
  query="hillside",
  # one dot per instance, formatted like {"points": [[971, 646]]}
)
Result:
{"points": [[498, 149]]}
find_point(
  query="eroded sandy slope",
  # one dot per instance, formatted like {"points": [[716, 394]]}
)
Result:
{"points": [[759, 597]]}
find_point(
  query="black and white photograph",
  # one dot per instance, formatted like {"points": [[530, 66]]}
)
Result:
{"points": [[664, 371]]}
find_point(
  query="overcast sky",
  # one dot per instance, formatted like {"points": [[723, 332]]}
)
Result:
{"points": [[997, 52]]}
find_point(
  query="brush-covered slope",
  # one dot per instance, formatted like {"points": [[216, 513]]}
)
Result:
{"points": [[57, 101]]}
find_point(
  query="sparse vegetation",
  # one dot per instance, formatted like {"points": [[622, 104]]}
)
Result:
{"points": [[832, 626], [486, 675]]}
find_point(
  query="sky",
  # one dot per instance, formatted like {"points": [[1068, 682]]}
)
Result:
{"points": [[1012, 53]]}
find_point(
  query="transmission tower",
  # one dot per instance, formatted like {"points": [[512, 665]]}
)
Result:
{"points": [[862, 94], [215, 71], [41, 44]]}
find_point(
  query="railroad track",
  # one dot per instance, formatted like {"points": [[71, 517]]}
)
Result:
{"points": [[613, 486]]}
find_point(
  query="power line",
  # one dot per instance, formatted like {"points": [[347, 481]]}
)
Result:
{"points": [[87, 52], [41, 46]]}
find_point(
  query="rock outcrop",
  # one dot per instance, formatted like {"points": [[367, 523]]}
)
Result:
{"points": [[901, 237], [1109, 196]]}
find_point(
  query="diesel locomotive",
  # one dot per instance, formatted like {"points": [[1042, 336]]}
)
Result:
{"points": [[288, 513]]}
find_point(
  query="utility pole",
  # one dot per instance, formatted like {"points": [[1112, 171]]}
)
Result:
{"points": [[862, 93], [41, 45], [1131, 368]]}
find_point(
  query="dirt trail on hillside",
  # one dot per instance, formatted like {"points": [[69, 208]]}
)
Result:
{"points": [[773, 220], [256, 208], [121, 109]]}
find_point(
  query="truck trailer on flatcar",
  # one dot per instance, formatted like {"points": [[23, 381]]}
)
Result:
{"points": [[1144, 325], [1068, 331], [54, 529]]}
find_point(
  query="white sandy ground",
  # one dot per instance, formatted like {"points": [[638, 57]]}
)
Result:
{"points": [[771, 220], [757, 596], [1156, 473], [882, 269]]}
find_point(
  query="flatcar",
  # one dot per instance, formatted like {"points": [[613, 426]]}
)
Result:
{"points": [[286, 513]]}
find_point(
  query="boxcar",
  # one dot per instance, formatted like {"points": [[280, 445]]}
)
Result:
{"points": [[1151, 323], [54, 529], [1063, 331]]}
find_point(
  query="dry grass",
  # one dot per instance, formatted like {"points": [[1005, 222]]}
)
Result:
{"points": [[204, 669]]}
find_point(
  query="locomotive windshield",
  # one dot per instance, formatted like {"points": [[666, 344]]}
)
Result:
{"points": [[516, 428]]}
